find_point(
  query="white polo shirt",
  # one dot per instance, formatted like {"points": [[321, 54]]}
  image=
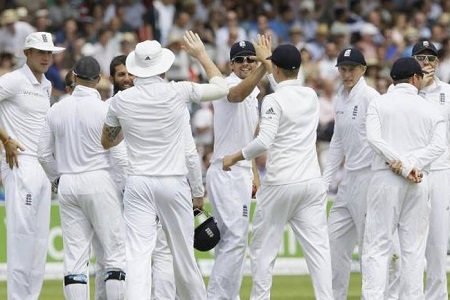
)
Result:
{"points": [[234, 123], [439, 94], [289, 119], [402, 126], [349, 142], [73, 131], [24, 102], [152, 114]]}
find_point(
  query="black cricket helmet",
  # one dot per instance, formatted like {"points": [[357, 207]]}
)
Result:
{"points": [[207, 234]]}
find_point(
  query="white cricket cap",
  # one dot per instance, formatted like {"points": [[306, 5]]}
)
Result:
{"points": [[41, 41]]}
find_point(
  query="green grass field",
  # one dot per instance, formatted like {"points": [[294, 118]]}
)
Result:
{"points": [[284, 288]]}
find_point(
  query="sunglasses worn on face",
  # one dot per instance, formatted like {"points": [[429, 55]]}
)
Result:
{"points": [[427, 57], [241, 59]]}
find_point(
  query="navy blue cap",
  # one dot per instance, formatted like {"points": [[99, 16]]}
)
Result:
{"points": [[350, 56], [87, 68], [422, 46], [286, 56], [242, 48], [405, 67]]}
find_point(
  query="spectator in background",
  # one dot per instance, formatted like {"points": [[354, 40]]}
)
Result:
{"points": [[182, 23], [263, 28], [103, 50], [307, 20], [227, 35], [133, 13], [166, 11], [180, 69], [13, 33], [327, 65], [318, 44], [59, 12], [127, 43], [41, 20], [7, 62], [296, 36]]}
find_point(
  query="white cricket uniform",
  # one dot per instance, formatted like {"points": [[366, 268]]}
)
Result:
{"points": [[90, 202], [23, 104], [439, 187], [230, 192], [292, 191], [151, 115], [400, 126], [163, 276], [348, 145]]}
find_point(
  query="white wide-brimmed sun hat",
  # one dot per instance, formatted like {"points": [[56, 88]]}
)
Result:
{"points": [[41, 41], [149, 59]]}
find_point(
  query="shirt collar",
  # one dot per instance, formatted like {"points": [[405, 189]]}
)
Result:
{"points": [[405, 88], [147, 80], [29, 74], [81, 90], [288, 82]]}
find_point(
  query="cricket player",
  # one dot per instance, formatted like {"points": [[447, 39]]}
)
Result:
{"points": [[292, 191], [152, 117], [163, 278], [24, 101], [90, 202], [235, 121], [437, 92], [408, 134], [349, 146]]}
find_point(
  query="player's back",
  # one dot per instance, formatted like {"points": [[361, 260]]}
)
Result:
{"points": [[407, 121], [77, 122], [292, 156], [151, 115]]}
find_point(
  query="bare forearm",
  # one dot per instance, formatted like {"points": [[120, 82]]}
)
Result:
{"points": [[210, 68], [111, 136], [3, 136], [241, 91]]}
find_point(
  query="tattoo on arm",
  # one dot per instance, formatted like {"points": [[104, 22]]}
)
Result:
{"points": [[112, 132]]}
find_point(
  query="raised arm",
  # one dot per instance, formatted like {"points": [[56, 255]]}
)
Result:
{"points": [[239, 92]]}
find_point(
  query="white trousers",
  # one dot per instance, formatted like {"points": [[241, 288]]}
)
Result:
{"points": [[395, 204], [27, 200], [90, 204], [163, 277], [346, 227], [168, 199], [437, 242], [303, 206], [230, 196]]}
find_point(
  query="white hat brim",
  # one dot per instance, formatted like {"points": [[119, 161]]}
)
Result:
{"points": [[53, 49], [166, 61]]}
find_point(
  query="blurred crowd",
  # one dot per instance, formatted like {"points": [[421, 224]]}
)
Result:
{"points": [[383, 30]]}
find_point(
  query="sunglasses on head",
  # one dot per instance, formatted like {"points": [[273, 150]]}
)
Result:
{"points": [[241, 59], [422, 57]]}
